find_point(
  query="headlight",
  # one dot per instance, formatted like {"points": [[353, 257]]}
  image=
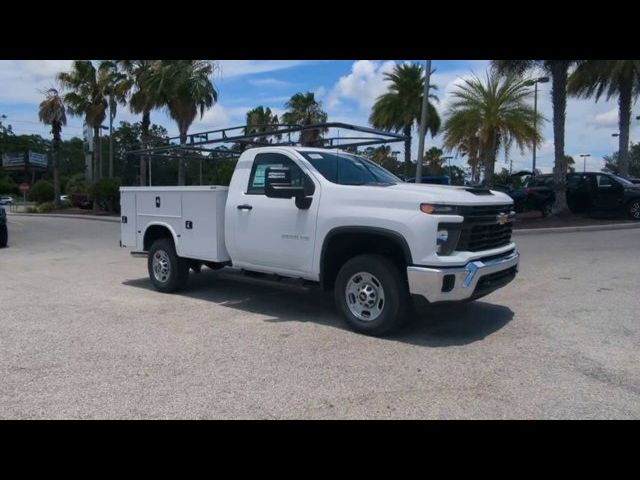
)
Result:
{"points": [[438, 209]]}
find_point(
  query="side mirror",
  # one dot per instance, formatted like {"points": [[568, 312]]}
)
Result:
{"points": [[277, 184]]}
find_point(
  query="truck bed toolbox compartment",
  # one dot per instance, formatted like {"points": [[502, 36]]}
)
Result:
{"points": [[194, 215]]}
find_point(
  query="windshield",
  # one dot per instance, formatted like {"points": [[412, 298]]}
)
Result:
{"points": [[622, 180], [345, 169]]}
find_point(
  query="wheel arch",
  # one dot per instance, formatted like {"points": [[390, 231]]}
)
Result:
{"points": [[338, 247], [156, 230]]}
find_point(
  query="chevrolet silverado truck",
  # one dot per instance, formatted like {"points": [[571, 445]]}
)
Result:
{"points": [[334, 219]]}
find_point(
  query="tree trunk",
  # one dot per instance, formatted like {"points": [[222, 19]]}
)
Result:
{"points": [[96, 153], [144, 126], [407, 152], [181, 166], [624, 109], [489, 159], [56, 170], [559, 70], [111, 115]]}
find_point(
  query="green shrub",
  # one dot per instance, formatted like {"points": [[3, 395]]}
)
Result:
{"points": [[76, 184], [106, 193], [8, 186], [32, 210], [42, 191], [46, 207]]}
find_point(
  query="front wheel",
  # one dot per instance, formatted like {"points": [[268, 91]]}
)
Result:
{"points": [[372, 294], [633, 209], [167, 270], [546, 209]]}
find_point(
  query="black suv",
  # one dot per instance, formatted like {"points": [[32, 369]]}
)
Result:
{"points": [[3, 228], [596, 191]]}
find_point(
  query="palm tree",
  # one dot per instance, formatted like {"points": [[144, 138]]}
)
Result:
{"points": [[52, 112], [116, 90], [185, 88], [469, 146], [383, 156], [304, 110], [399, 109], [261, 120], [86, 97], [559, 71], [611, 78], [495, 110], [434, 158], [141, 100]]}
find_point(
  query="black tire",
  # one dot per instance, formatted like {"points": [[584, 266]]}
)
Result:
{"points": [[396, 305], [633, 209], [546, 209], [178, 268], [4, 236]]}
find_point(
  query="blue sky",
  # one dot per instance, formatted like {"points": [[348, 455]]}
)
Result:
{"points": [[347, 89]]}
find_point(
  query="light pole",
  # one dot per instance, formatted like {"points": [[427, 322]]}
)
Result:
{"points": [[535, 83], [584, 161], [102, 127], [448, 160]]}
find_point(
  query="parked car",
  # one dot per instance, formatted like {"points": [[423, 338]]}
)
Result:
{"points": [[432, 179], [536, 194], [4, 233], [6, 200], [81, 200]]}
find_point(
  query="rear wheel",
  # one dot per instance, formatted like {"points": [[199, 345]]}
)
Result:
{"points": [[372, 294], [546, 209], [4, 236], [167, 270], [633, 209]]}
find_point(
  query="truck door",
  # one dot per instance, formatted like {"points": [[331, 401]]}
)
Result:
{"points": [[273, 232], [609, 193]]}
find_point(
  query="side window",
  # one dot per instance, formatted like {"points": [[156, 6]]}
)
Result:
{"points": [[575, 181], [266, 160], [604, 181]]}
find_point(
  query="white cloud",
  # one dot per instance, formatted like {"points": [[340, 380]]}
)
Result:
{"points": [[215, 117], [363, 84], [234, 68], [269, 83], [22, 81], [607, 119]]}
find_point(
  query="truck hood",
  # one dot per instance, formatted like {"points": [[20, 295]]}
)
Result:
{"points": [[450, 195]]}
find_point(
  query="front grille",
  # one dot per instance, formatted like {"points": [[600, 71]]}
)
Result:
{"points": [[481, 230]]}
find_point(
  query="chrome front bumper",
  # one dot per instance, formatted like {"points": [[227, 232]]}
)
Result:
{"points": [[468, 280]]}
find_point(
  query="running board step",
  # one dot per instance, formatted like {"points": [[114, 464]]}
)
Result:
{"points": [[268, 280]]}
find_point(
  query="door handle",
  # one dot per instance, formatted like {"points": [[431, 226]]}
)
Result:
{"points": [[244, 207]]}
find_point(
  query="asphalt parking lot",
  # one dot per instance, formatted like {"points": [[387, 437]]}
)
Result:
{"points": [[84, 335]]}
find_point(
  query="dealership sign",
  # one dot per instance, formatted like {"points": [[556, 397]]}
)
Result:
{"points": [[21, 160]]}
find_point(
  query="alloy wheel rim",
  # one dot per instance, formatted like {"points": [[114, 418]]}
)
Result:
{"points": [[365, 296], [161, 266], [635, 209]]}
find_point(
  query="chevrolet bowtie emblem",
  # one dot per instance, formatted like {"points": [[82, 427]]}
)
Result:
{"points": [[502, 218]]}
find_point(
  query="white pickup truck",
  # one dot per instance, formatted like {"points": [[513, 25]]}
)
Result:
{"points": [[332, 218]]}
